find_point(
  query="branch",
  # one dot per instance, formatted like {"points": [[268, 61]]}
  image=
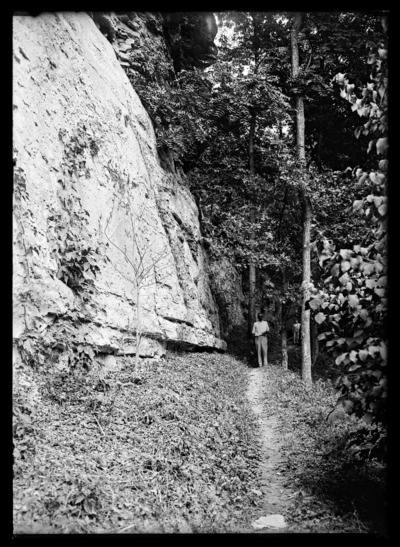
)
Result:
{"points": [[124, 254], [101, 429], [309, 61], [131, 280]]}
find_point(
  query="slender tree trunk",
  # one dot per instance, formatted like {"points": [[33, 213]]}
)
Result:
{"points": [[138, 328], [252, 294], [314, 339], [307, 213], [252, 266], [305, 314], [285, 360], [252, 131]]}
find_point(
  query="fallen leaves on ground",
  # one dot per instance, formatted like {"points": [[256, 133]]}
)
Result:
{"points": [[173, 450], [336, 492]]}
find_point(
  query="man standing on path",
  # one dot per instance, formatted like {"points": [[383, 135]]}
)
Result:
{"points": [[260, 329]]}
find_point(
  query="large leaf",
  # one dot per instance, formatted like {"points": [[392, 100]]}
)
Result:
{"points": [[320, 318], [315, 303], [382, 145], [341, 358]]}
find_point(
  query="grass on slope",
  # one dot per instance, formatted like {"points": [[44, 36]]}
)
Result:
{"points": [[336, 491], [173, 451]]}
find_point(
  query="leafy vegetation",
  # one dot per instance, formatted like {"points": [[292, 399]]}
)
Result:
{"points": [[337, 488], [78, 253], [353, 300], [173, 450], [251, 208]]}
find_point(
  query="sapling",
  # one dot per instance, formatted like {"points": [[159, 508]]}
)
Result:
{"points": [[143, 261]]}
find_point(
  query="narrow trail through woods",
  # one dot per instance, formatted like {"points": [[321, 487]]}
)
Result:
{"points": [[277, 495]]}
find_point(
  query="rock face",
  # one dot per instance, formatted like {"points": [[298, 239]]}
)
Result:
{"points": [[94, 212], [226, 285], [173, 41], [139, 41]]}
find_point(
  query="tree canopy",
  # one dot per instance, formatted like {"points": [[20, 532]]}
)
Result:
{"points": [[237, 144]]}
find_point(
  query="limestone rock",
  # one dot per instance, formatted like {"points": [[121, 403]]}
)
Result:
{"points": [[139, 43], [226, 285], [171, 41], [82, 143], [269, 521]]}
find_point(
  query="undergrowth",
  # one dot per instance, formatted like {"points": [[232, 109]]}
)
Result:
{"points": [[172, 451], [337, 490]]}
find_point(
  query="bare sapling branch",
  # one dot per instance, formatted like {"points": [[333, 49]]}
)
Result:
{"points": [[143, 263]]}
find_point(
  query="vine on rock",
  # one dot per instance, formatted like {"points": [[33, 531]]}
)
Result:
{"points": [[79, 256], [78, 253]]}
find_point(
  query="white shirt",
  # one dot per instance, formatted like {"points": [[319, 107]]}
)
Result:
{"points": [[260, 327]]}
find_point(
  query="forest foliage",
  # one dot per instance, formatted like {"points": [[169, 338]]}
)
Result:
{"points": [[255, 217], [353, 300]]}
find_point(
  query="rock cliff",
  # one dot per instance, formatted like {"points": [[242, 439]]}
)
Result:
{"points": [[91, 202]]}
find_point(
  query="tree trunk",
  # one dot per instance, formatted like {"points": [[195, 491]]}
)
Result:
{"points": [[285, 360], [314, 339], [305, 314], [138, 329], [252, 266], [307, 213], [252, 294]]}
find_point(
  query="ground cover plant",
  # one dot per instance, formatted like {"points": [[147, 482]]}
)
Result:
{"points": [[173, 450], [338, 488]]}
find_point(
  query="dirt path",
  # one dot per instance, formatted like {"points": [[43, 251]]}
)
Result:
{"points": [[277, 497]]}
